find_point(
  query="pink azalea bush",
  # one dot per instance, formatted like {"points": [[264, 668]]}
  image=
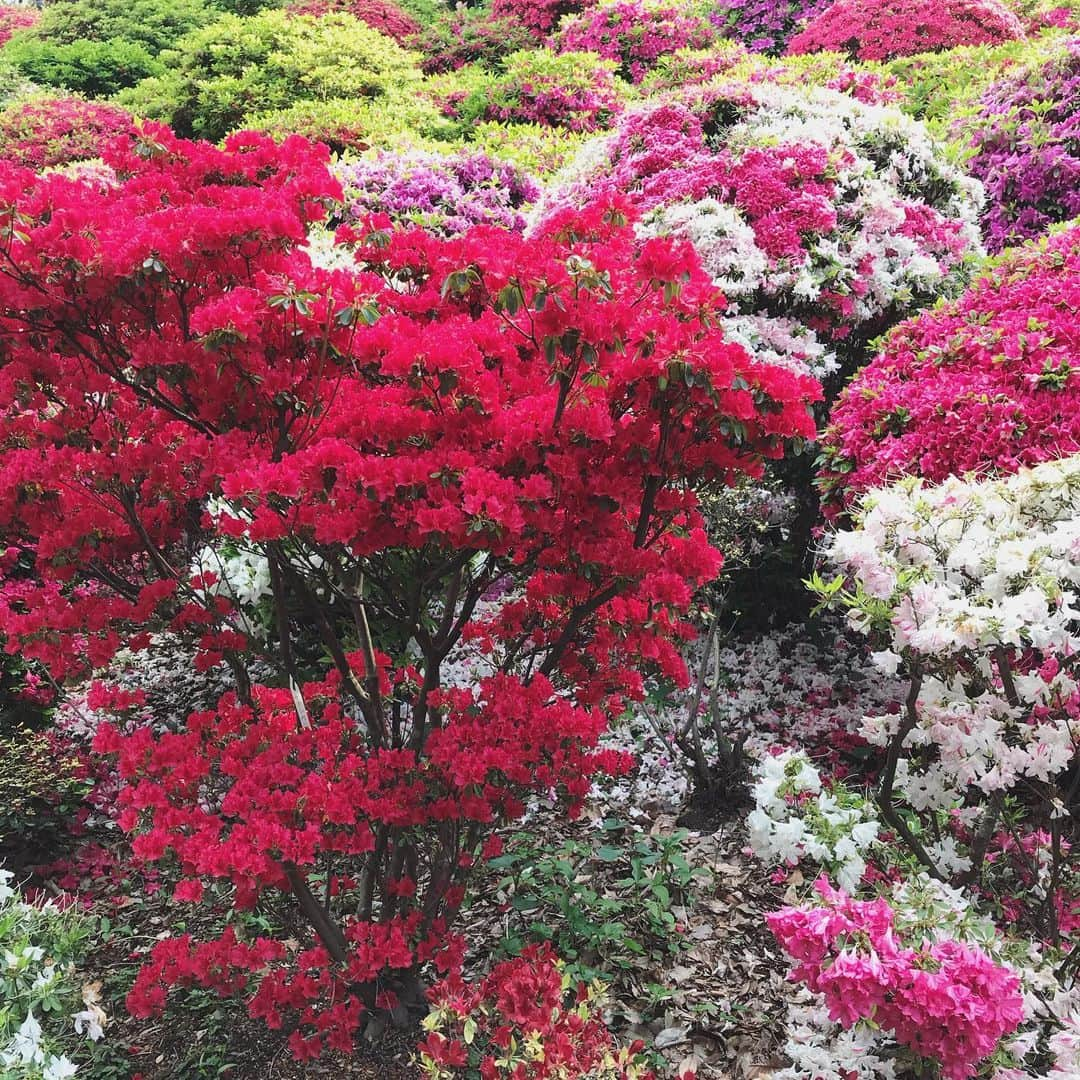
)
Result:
{"points": [[801, 204], [14, 19], [945, 1000], [635, 34], [45, 131], [540, 17], [382, 15], [988, 382], [881, 29]]}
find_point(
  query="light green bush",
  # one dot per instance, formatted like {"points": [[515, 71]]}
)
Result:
{"points": [[236, 68]]}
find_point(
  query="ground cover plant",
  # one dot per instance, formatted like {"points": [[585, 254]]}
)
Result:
{"points": [[539, 541]]}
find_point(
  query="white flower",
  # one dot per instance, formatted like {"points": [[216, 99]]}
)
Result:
{"points": [[25, 1045], [59, 1068]]}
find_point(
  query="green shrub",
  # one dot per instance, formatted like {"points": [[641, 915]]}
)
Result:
{"points": [[154, 24], [93, 68], [352, 123], [237, 68], [538, 150], [40, 792], [604, 902]]}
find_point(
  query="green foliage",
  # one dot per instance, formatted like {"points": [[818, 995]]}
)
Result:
{"points": [[538, 150], [40, 792], [154, 24], [93, 68], [352, 123], [425, 12], [942, 88], [236, 68], [606, 907]]}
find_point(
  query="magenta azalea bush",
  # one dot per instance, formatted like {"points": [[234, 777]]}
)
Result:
{"points": [[635, 34], [45, 131], [765, 25], [881, 29], [448, 194], [1027, 149], [538, 16], [382, 15], [988, 382], [946, 1000]]}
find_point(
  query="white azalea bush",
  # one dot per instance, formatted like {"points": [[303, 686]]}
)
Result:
{"points": [[795, 820], [45, 1010], [971, 588]]}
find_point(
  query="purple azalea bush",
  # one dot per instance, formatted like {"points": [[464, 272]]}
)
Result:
{"points": [[445, 193], [764, 26], [1027, 149]]}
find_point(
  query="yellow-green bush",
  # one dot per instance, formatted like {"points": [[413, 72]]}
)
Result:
{"points": [[219, 76], [352, 123]]}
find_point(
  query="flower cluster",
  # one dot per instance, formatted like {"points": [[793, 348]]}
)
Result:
{"points": [[804, 204], [516, 1022], [396, 436], [946, 1000], [382, 15], [987, 382], [1026, 143], [794, 818], [40, 132], [634, 33], [881, 29], [765, 25], [447, 193]]}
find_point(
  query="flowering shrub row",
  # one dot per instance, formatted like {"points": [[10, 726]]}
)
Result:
{"points": [[880, 29], [986, 382]]}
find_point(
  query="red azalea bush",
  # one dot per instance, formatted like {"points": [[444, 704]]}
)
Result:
{"points": [[390, 445], [382, 15], [989, 381], [516, 1023], [45, 131], [635, 34], [882, 29], [13, 19]]}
